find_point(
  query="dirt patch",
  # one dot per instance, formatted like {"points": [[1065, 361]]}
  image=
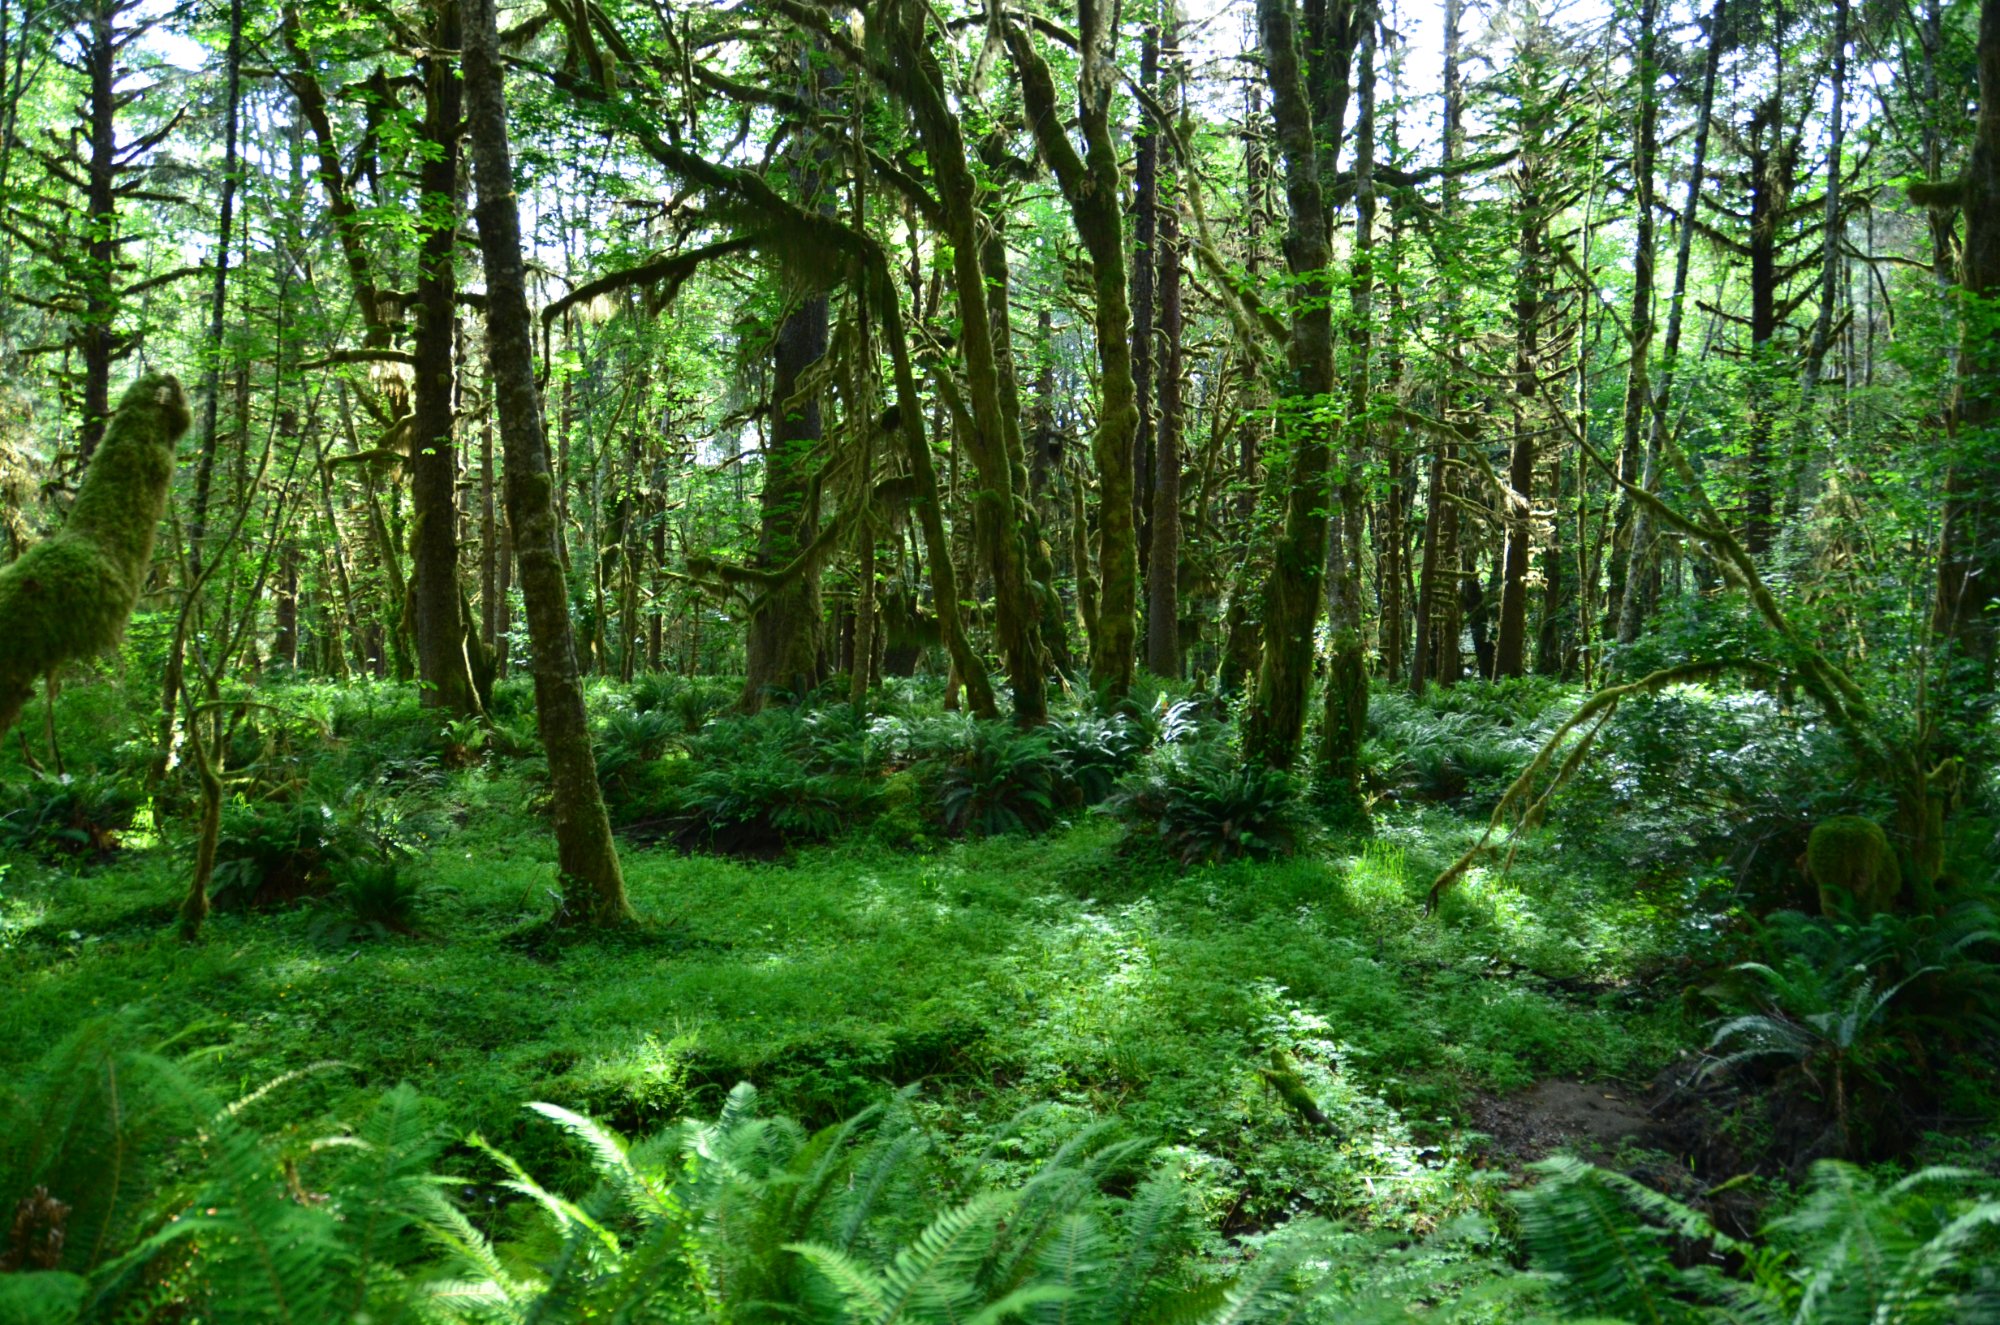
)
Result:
{"points": [[1585, 1118]]}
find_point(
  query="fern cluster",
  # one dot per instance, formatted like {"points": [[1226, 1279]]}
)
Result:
{"points": [[1854, 1249]]}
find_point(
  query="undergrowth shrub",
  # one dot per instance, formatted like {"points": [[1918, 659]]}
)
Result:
{"points": [[54, 814], [1202, 805], [1006, 782], [1859, 1026], [1696, 774], [370, 899], [1855, 1248], [276, 851], [753, 786], [1458, 746]]}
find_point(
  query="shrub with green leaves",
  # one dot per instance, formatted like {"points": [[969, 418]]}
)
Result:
{"points": [[276, 851], [370, 899], [1095, 752], [1856, 1248], [66, 814], [1006, 782], [1203, 805]]}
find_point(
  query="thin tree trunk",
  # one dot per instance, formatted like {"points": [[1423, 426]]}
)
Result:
{"points": [[1145, 268], [1638, 385], [1435, 653], [1637, 600], [593, 886], [218, 302], [1163, 642], [1345, 718]]}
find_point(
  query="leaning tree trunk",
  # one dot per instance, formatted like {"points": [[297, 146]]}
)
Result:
{"points": [[593, 887]]}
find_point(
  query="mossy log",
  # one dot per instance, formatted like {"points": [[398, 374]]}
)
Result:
{"points": [[70, 595]]}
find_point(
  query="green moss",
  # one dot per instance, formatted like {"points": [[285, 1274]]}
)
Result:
{"points": [[69, 596], [1853, 867]]}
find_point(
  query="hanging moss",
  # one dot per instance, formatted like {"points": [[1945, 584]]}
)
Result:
{"points": [[1852, 865], [69, 596]]}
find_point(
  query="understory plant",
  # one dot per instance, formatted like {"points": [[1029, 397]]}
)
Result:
{"points": [[1203, 805], [1855, 1248]]}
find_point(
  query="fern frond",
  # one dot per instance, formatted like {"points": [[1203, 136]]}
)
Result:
{"points": [[1580, 1229], [864, 1291]]}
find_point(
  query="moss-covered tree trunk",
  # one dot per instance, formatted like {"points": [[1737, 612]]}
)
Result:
{"points": [[1091, 185], [1145, 271], [593, 886], [783, 645], [1292, 592], [1966, 612], [999, 503], [70, 595]]}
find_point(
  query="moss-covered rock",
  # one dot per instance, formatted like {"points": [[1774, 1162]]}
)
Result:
{"points": [[69, 596], [1853, 866]]}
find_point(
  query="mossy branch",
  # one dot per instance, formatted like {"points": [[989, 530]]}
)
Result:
{"points": [[1599, 706]]}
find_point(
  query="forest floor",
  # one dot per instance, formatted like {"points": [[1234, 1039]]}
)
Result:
{"points": [[988, 975]]}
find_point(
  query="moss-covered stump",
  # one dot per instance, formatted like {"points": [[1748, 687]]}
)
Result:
{"points": [[70, 595], [1853, 867]]}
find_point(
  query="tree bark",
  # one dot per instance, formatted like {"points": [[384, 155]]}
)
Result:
{"points": [[1163, 624], [1638, 385], [1276, 720], [1965, 617], [593, 886], [443, 674], [1637, 599], [1345, 718]]}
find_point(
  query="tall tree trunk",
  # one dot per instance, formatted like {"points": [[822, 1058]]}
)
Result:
{"points": [[1435, 653], [1966, 614], [1276, 720], [1163, 613], [489, 545], [1091, 185], [992, 440], [1769, 193], [1638, 384], [1510, 645], [593, 886], [443, 671], [1145, 274], [1833, 259], [784, 630], [1637, 598], [1345, 719], [97, 335], [218, 301]]}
